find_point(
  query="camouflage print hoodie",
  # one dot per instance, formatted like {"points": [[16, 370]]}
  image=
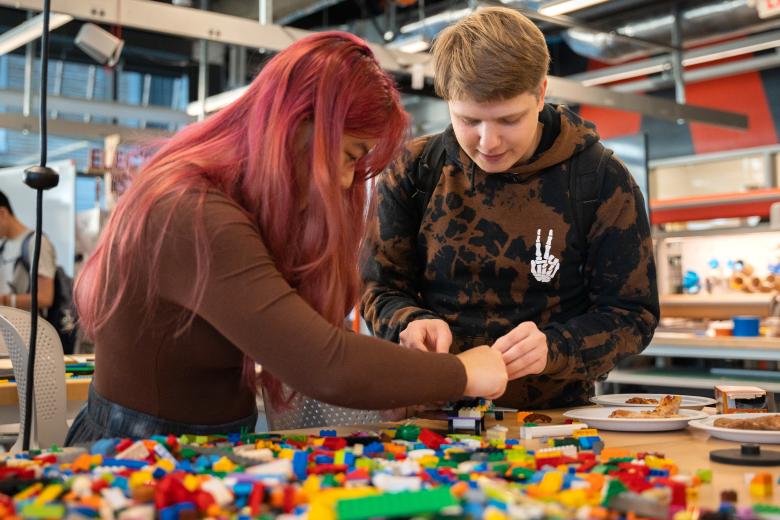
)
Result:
{"points": [[469, 262]]}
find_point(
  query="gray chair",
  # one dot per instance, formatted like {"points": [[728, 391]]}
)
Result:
{"points": [[50, 398], [305, 412]]}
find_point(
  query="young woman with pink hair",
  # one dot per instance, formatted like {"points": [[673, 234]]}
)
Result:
{"points": [[237, 243]]}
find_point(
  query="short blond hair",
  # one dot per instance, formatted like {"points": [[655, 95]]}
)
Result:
{"points": [[493, 54]]}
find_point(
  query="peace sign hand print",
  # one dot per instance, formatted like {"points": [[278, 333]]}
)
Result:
{"points": [[544, 267]]}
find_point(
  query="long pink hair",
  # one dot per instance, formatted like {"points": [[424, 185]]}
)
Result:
{"points": [[246, 151]]}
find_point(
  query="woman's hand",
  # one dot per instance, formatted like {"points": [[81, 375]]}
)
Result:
{"points": [[486, 374]]}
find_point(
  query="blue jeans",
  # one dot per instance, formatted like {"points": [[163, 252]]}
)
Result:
{"points": [[101, 418]]}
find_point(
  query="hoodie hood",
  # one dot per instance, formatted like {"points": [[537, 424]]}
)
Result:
{"points": [[575, 134]]}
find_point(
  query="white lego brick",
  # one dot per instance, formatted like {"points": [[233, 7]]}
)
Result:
{"points": [[558, 430]]}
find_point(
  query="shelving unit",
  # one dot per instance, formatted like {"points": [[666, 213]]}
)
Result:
{"points": [[717, 307], [666, 344], [690, 249], [676, 345], [684, 379]]}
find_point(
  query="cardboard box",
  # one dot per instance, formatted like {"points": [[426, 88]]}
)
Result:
{"points": [[741, 399]]}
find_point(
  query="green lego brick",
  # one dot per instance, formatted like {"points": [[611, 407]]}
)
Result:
{"points": [[408, 432], [614, 488], [459, 456], [522, 473], [517, 455], [329, 481], [500, 468], [188, 453], [496, 456], [766, 509], [405, 503], [43, 511]]}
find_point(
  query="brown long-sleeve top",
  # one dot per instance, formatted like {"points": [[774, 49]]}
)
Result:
{"points": [[195, 377]]}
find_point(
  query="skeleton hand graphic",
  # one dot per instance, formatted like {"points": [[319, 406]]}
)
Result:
{"points": [[544, 267]]}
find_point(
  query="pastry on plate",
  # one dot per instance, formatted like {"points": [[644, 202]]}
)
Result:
{"points": [[666, 409], [765, 422], [641, 400]]}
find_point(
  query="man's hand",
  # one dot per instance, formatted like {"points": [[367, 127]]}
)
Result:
{"points": [[524, 350], [430, 335]]}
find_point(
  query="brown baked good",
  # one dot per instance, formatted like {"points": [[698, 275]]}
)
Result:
{"points": [[537, 418], [667, 409], [641, 400], [766, 422]]}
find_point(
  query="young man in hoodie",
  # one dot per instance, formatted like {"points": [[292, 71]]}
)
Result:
{"points": [[481, 240]]}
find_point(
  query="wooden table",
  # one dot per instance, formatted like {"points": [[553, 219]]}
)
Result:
{"points": [[77, 389], [688, 448]]}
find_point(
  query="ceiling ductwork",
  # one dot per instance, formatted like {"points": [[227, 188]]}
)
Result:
{"points": [[700, 24]]}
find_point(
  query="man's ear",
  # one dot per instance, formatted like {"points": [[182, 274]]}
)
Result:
{"points": [[542, 93], [4, 212]]}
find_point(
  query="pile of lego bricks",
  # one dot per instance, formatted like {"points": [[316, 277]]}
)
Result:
{"points": [[401, 472]]}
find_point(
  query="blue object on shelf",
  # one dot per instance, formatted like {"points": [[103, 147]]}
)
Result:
{"points": [[746, 326]]}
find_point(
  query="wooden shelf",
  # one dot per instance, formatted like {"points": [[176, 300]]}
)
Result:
{"points": [[666, 378], [718, 307]]}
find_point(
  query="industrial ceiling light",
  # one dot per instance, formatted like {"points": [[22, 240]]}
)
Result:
{"points": [[28, 31], [567, 6], [412, 44], [99, 44]]}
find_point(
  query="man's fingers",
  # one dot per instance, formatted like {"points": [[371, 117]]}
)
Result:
{"points": [[443, 341], [412, 337], [514, 336], [515, 352], [528, 364]]}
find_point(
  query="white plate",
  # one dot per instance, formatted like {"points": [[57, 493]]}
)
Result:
{"points": [[599, 418], [691, 402], [732, 434]]}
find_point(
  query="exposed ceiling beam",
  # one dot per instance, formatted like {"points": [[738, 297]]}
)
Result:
{"points": [[80, 130], [197, 24], [572, 23], [573, 92], [69, 105], [710, 53], [28, 31], [729, 68]]}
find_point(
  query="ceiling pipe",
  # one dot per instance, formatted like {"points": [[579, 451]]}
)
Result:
{"points": [[699, 25]]}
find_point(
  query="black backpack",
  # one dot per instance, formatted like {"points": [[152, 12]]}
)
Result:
{"points": [[584, 185], [62, 313]]}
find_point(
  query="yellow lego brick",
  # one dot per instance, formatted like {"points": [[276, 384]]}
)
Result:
{"points": [[573, 498], [321, 505], [49, 493], [585, 432], [428, 461], [191, 482], [287, 453], [224, 465], [166, 465], [139, 478], [28, 492]]}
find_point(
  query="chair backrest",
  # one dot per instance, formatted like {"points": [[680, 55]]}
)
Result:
{"points": [[50, 399], [305, 412]]}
